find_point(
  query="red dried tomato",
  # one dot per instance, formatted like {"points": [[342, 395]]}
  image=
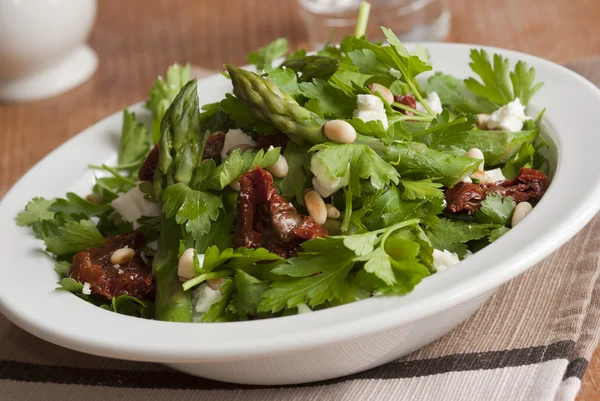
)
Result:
{"points": [[529, 185], [108, 281], [408, 100], [214, 145], [265, 219], [146, 172]]}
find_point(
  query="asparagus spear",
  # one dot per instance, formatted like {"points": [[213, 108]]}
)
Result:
{"points": [[272, 105], [181, 145], [313, 67], [415, 157]]}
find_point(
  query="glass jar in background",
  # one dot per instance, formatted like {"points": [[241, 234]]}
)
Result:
{"points": [[411, 20]]}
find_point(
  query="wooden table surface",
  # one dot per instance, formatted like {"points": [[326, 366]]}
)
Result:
{"points": [[136, 40]]}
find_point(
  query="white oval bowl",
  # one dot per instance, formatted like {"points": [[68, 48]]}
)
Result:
{"points": [[314, 346]]}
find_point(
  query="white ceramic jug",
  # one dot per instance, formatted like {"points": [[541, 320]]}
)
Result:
{"points": [[42, 47]]}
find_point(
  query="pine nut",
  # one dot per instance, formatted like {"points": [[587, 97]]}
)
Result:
{"points": [[315, 206], [122, 256], [475, 153], [216, 283], [482, 177], [339, 131], [520, 212], [235, 186], [185, 266], [384, 92], [280, 168], [93, 198], [332, 212]]}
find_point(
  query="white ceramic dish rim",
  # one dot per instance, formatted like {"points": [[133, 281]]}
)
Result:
{"points": [[571, 201]]}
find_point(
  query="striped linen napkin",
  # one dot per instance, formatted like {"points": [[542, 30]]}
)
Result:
{"points": [[531, 341]]}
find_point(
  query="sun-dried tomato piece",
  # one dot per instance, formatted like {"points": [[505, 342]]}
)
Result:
{"points": [[265, 219], [214, 145], [529, 185], [278, 140], [146, 172], [408, 100], [108, 281]]}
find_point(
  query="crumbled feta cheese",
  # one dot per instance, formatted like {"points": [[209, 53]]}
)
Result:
{"points": [[496, 175], [202, 298], [235, 138], [116, 266], [323, 182], [468, 180], [120, 271], [283, 67], [144, 257], [303, 308], [509, 117], [370, 108], [395, 73], [433, 101], [131, 206], [153, 245], [444, 259], [87, 289]]}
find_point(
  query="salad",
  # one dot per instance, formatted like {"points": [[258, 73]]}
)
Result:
{"points": [[320, 180]]}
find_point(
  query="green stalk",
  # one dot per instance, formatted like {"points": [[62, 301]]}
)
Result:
{"points": [[408, 108], [347, 210], [172, 303], [417, 94], [206, 276], [363, 18]]}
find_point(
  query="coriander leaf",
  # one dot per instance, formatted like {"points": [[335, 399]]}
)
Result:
{"points": [[523, 158], [378, 263], [131, 306], [37, 209], [135, 141], [495, 79], [69, 284], [362, 161], [62, 268], [496, 209], [315, 106], [522, 81], [453, 93], [217, 311], [263, 58], [497, 233], [369, 128], [292, 185], [195, 209], [238, 163], [310, 67], [286, 80], [328, 285], [422, 189], [74, 236], [248, 294], [444, 132], [74, 204], [335, 102], [409, 272], [219, 234], [497, 146], [162, 94], [243, 118], [452, 235], [240, 258]]}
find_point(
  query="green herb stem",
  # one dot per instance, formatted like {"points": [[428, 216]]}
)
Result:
{"points": [[452, 123], [347, 210], [363, 18], [206, 276], [408, 108]]}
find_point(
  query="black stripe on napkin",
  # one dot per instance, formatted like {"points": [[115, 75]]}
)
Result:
{"points": [[27, 372]]}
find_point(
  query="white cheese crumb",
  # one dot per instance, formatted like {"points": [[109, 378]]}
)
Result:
{"points": [[120, 271], [323, 182], [203, 297], [433, 101], [116, 266], [144, 257], [131, 206], [496, 175], [303, 308], [87, 289], [395, 73], [509, 117], [283, 67], [370, 108], [468, 180], [444, 259], [234, 138], [153, 245]]}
